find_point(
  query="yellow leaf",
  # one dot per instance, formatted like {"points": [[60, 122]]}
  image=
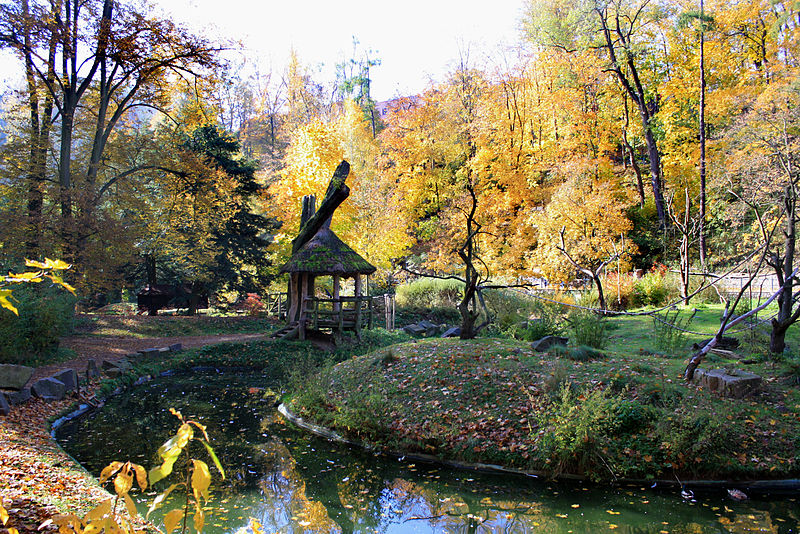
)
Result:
{"points": [[131, 506], [3, 514], [93, 528], [101, 510], [56, 265], [12, 530], [201, 479], [172, 519], [5, 303], [123, 482], [141, 475], [199, 519], [60, 281], [109, 470], [22, 278], [68, 523], [37, 264]]}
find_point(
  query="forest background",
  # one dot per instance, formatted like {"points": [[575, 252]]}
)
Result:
{"points": [[623, 134]]}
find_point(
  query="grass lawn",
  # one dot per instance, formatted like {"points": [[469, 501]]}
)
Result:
{"points": [[143, 326], [622, 412]]}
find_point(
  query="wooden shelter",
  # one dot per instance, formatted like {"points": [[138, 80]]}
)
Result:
{"points": [[317, 251]]}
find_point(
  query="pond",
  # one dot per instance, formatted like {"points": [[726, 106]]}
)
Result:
{"points": [[290, 481]]}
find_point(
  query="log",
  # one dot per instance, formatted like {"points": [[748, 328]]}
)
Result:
{"points": [[336, 194]]}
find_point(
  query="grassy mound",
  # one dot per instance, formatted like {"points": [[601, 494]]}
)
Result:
{"points": [[603, 415]]}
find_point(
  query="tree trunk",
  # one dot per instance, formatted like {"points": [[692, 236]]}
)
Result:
{"points": [[777, 337], [787, 315], [702, 226], [630, 81], [601, 298]]}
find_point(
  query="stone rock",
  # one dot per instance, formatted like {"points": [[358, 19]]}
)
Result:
{"points": [[115, 369], [14, 376], [91, 370], [69, 377], [113, 372], [414, 329], [149, 353], [452, 332], [5, 409], [730, 383], [430, 328], [18, 397], [176, 347], [547, 342], [49, 389], [163, 350]]}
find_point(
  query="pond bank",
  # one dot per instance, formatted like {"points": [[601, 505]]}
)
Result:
{"points": [[788, 486], [607, 417]]}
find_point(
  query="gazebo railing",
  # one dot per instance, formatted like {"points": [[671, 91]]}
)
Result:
{"points": [[343, 313]]}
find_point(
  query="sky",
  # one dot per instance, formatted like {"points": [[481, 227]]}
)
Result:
{"points": [[416, 40]]}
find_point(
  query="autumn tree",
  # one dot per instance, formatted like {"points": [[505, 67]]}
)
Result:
{"points": [[622, 33], [206, 230], [101, 55], [766, 176], [583, 229]]}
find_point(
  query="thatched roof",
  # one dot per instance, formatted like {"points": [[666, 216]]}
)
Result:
{"points": [[326, 254]]}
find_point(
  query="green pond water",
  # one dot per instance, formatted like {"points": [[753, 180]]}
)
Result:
{"points": [[290, 481]]}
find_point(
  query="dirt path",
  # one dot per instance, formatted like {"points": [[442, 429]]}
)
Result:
{"points": [[115, 348]]}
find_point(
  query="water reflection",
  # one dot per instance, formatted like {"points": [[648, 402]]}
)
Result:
{"points": [[292, 482]]}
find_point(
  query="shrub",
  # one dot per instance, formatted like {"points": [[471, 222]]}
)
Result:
{"points": [[619, 290], [655, 288], [692, 439], [544, 319], [509, 308], [430, 293], [583, 353], [588, 329], [254, 305], [45, 314], [576, 430], [669, 329]]}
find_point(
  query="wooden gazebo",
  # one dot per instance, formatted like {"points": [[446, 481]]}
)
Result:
{"points": [[317, 251]]}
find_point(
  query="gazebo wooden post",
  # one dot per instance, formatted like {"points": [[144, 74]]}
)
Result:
{"points": [[369, 307], [337, 306], [358, 303]]}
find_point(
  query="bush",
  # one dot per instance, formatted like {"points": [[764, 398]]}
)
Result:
{"points": [[576, 430], [581, 353], [430, 293], [654, 289], [669, 330], [543, 319], [45, 314], [588, 328], [509, 308], [625, 284]]}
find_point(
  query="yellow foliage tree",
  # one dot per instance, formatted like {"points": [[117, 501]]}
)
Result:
{"points": [[583, 229]]}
